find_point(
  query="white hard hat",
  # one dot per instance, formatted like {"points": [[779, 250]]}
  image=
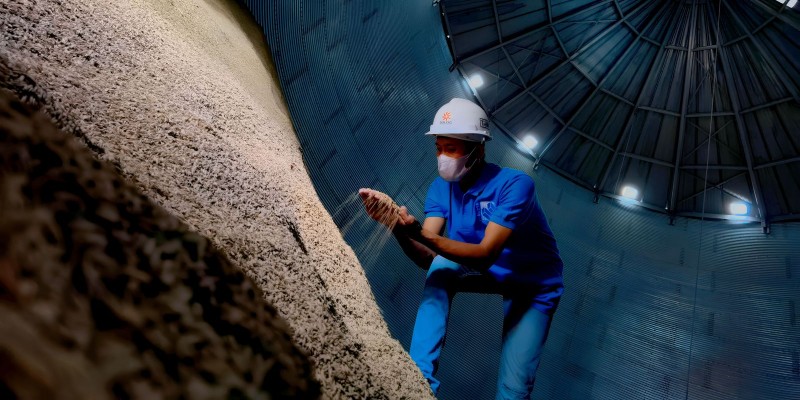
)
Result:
{"points": [[461, 119]]}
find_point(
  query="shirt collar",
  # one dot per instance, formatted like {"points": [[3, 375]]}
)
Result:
{"points": [[487, 173]]}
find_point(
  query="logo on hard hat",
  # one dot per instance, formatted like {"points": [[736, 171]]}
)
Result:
{"points": [[484, 123], [446, 117]]}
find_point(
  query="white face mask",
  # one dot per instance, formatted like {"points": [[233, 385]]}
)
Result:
{"points": [[453, 169]]}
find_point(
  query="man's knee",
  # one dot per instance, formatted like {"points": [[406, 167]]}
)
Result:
{"points": [[442, 266], [443, 270], [441, 263], [504, 392]]}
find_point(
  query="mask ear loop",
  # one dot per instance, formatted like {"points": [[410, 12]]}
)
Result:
{"points": [[470, 154]]}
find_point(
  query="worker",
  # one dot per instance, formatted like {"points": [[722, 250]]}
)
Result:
{"points": [[497, 236]]}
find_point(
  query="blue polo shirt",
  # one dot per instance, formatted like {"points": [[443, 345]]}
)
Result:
{"points": [[530, 260]]}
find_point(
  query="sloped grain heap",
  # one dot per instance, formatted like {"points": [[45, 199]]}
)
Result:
{"points": [[180, 98], [107, 295]]}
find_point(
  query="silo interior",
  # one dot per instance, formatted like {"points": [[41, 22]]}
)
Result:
{"points": [[695, 103], [663, 138]]}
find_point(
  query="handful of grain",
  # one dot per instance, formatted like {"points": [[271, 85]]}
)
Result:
{"points": [[380, 207]]}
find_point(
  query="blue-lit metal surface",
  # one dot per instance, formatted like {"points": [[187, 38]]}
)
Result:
{"points": [[698, 309]]}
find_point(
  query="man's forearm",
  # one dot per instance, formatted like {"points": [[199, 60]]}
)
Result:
{"points": [[470, 255], [416, 251]]}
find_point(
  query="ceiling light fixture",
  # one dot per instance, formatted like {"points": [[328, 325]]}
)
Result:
{"points": [[630, 192], [738, 208], [530, 142], [475, 81]]}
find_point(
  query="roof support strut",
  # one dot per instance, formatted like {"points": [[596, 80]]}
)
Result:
{"points": [[569, 59], [597, 88], [718, 185], [687, 85], [625, 131], [740, 127], [767, 56], [525, 34], [778, 14]]}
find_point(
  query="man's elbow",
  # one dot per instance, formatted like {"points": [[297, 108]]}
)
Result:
{"points": [[425, 262], [487, 258]]}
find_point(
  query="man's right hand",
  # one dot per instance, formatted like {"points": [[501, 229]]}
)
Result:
{"points": [[383, 209], [379, 206]]}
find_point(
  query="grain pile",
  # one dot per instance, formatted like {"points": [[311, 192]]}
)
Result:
{"points": [[107, 295], [180, 98]]}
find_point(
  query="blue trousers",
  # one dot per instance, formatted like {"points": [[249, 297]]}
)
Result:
{"points": [[524, 330]]}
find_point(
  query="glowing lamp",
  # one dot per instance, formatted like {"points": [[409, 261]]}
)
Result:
{"points": [[530, 142], [475, 81], [738, 208], [630, 192]]}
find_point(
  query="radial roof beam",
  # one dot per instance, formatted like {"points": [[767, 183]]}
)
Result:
{"points": [[497, 21], [583, 48], [625, 131], [505, 52], [740, 127], [597, 88], [767, 56], [527, 33], [779, 15], [553, 27], [687, 85], [449, 35]]}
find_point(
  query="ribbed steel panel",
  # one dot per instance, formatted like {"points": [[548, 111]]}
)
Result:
{"points": [[699, 309]]}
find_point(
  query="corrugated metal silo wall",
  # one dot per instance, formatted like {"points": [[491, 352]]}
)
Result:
{"points": [[648, 307]]}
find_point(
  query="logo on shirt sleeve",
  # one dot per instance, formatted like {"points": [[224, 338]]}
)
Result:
{"points": [[485, 209]]}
